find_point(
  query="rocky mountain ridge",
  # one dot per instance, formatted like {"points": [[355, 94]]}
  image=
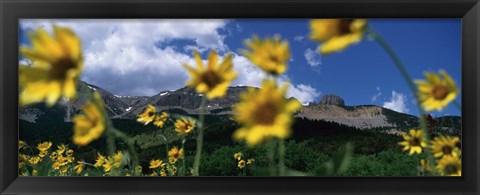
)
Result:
{"points": [[187, 101]]}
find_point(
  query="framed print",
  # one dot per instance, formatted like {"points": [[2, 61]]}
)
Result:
{"points": [[239, 97]]}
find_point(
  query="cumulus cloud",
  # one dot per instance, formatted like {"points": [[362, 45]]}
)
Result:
{"points": [[313, 58], [144, 57], [377, 95], [397, 103]]}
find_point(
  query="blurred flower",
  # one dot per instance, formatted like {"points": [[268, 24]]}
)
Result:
{"points": [[155, 164], [241, 164], [138, 169], [57, 64], [444, 145], [184, 125], [90, 125], [425, 165], [43, 153], [100, 160], [238, 155], [264, 113], [271, 54], [174, 154], [79, 167], [213, 81], [44, 146], [435, 92], [337, 34], [21, 164], [35, 172], [54, 155], [414, 141], [64, 169], [163, 173], [148, 115], [160, 120], [250, 161], [450, 166]]}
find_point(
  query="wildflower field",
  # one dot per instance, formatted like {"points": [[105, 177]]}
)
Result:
{"points": [[261, 134]]}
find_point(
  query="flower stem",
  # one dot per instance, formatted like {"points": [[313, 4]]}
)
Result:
{"points": [[271, 157], [398, 63], [131, 147], [198, 153], [183, 159], [281, 161]]}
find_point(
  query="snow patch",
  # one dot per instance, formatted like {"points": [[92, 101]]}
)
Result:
{"points": [[128, 109], [164, 93], [94, 89]]}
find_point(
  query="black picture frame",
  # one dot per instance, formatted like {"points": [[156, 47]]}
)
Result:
{"points": [[13, 10]]}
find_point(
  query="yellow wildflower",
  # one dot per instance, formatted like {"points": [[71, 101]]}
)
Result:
{"points": [[58, 63], [213, 81], [69, 152], [250, 161], [118, 159], [34, 160], [35, 172], [155, 164], [54, 155], [61, 148], [148, 115], [64, 169], [21, 164], [271, 55], [79, 167], [445, 145], [414, 141], [100, 160], [425, 165], [184, 126], [43, 153], [174, 154], [108, 165], [241, 164], [44, 146], [337, 34], [138, 169], [450, 166], [264, 113], [21, 144], [90, 125], [437, 91], [238, 155], [163, 173], [160, 120]]}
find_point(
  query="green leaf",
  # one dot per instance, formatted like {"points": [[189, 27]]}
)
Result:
{"points": [[339, 163]]}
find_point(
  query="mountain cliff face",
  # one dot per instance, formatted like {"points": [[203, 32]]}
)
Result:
{"points": [[329, 108]]}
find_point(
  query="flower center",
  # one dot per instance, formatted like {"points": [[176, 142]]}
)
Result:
{"points": [[61, 67], [414, 141], [439, 92], [274, 58], [345, 26], [265, 113], [447, 150], [211, 78], [150, 113], [451, 169]]}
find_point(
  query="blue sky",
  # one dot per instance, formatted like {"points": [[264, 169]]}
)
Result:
{"points": [[144, 57]]}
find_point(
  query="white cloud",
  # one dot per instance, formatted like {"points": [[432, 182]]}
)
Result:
{"points": [[304, 93], [397, 103], [137, 57], [299, 38], [377, 95], [313, 58]]}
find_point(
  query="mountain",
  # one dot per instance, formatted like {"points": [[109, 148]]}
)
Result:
{"points": [[186, 101]]}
